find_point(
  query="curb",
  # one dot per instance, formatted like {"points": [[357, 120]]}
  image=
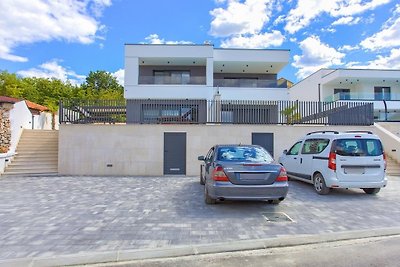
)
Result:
{"points": [[190, 250]]}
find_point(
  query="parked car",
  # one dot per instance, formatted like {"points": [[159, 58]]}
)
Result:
{"points": [[331, 159], [242, 172]]}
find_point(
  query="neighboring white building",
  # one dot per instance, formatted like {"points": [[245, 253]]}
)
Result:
{"points": [[201, 71], [381, 87]]}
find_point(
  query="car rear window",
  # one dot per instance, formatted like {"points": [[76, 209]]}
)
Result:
{"points": [[357, 147], [242, 153]]}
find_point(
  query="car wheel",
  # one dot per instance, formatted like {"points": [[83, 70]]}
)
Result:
{"points": [[319, 184], [371, 191], [207, 198], [201, 177]]}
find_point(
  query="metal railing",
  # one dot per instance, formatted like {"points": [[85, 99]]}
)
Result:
{"points": [[216, 111], [92, 111], [198, 80], [249, 83], [363, 96]]}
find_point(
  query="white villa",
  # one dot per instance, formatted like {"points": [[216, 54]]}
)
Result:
{"points": [[381, 87]]}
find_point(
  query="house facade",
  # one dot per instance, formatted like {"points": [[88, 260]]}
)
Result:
{"points": [[381, 87]]}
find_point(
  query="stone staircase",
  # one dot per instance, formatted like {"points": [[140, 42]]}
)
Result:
{"points": [[37, 154], [393, 167]]}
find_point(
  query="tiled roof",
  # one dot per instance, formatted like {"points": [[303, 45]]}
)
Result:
{"points": [[35, 106], [29, 104], [7, 99]]}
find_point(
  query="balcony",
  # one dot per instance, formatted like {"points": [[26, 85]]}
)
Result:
{"points": [[254, 83], [171, 80], [363, 96]]}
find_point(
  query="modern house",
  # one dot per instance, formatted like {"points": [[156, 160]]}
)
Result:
{"points": [[195, 76], [381, 87]]}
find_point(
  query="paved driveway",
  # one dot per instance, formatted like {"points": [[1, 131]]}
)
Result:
{"points": [[45, 216]]}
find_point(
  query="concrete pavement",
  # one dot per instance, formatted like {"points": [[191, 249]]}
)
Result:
{"points": [[101, 218]]}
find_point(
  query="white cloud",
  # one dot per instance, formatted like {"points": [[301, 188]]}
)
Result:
{"points": [[315, 55], [120, 76], [347, 21], [391, 61], [388, 37], [52, 69], [25, 22], [347, 48], [155, 39], [306, 11], [248, 17], [263, 40]]}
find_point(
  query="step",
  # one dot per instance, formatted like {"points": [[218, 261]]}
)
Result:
{"points": [[21, 174], [32, 164], [31, 168]]}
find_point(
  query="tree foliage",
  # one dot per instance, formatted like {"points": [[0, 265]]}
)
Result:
{"points": [[48, 92]]}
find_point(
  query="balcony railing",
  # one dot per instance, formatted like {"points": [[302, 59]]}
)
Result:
{"points": [[199, 80], [249, 83], [362, 96]]}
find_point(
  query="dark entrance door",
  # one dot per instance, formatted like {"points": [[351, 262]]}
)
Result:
{"points": [[266, 140], [174, 153]]}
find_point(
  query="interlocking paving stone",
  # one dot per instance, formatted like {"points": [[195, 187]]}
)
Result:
{"points": [[46, 216]]}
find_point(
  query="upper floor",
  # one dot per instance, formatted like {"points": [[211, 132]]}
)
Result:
{"points": [[201, 71]]}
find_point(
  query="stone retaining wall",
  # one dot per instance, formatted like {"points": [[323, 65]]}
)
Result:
{"points": [[5, 127]]}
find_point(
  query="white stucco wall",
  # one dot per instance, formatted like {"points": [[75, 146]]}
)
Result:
{"points": [[307, 89], [240, 93], [20, 118], [138, 149]]}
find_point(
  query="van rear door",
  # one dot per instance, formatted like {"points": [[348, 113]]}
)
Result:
{"points": [[359, 160]]}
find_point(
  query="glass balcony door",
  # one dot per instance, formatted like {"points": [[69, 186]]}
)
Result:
{"points": [[382, 93]]}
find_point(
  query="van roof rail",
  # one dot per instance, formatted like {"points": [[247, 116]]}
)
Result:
{"points": [[368, 132], [335, 132]]}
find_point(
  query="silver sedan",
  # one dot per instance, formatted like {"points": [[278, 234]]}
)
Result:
{"points": [[242, 172]]}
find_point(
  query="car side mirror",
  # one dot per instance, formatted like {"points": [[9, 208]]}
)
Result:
{"points": [[201, 158], [285, 151]]}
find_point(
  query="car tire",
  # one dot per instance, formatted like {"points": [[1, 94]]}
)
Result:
{"points": [[209, 200], [201, 177], [319, 184], [371, 191]]}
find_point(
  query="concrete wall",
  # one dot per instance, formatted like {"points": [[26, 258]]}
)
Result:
{"points": [[138, 149]]}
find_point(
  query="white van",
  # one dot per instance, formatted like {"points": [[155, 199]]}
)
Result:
{"points": [[331, 159]]}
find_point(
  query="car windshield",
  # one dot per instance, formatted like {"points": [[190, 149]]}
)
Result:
{"points": [[358, 147], [243, 153]]}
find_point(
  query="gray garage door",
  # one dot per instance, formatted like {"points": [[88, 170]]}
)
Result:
{"points": [[174, 153], [266, 140]]}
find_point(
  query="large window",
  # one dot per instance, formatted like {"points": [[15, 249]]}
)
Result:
{"points": [[171, 76], [344, 94], [382, 93]]}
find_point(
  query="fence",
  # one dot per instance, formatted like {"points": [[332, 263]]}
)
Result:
{"points": [[216, 111]]}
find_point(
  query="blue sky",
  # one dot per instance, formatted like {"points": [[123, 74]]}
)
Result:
{"points": [[67, 39]]}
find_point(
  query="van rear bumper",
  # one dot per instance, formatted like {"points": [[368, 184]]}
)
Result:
{"points": [[358, 184]]}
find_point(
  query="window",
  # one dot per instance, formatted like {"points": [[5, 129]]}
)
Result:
{"points": [[209, 155], [314, 146], [243, 153], [171, 77], [382, 93], [358, 147], [344, 94], [294, 150]]}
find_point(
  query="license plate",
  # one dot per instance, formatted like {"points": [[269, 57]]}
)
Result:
{"points": [[254, 176], [354, 170]]}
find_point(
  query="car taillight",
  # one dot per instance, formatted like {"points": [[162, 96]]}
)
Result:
{"points": [[384, 160], [219, 174], [332, 161], [282, 177]]}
